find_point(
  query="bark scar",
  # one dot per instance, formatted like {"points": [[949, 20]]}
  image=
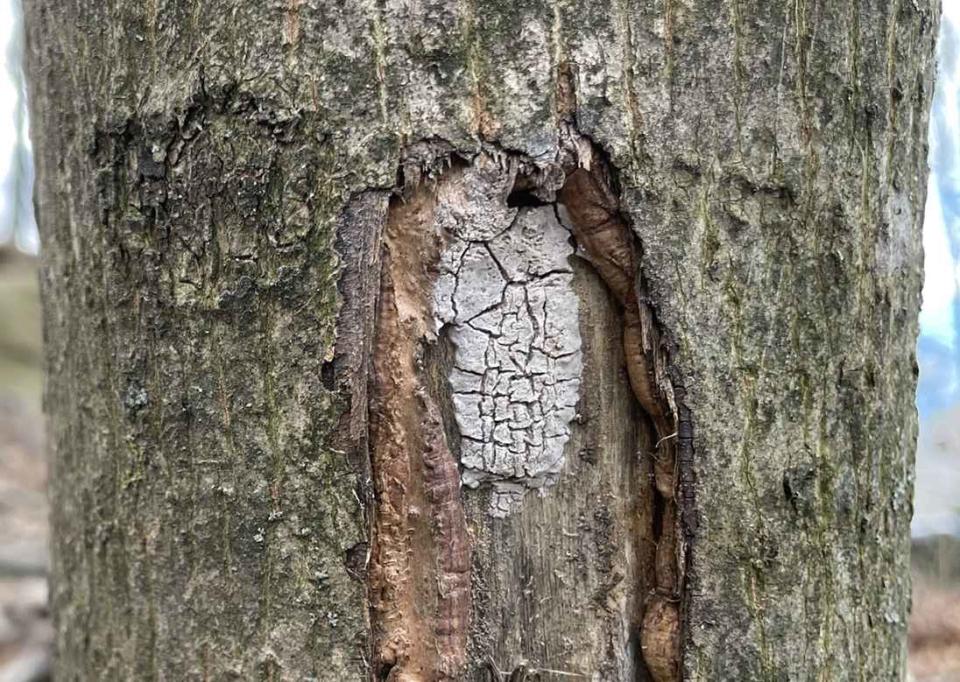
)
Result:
{"points": [[482, 253], [607, 242], [420, 560]]}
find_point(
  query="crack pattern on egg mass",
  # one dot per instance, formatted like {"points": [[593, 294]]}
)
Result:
{"points": [[505, 296]]}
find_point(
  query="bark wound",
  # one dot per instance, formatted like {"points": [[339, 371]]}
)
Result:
{"points": [[420, 560], [608, 243], [482, 257]]}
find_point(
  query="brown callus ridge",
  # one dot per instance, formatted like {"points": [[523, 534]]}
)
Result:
{"points": [[609, 245], [420, 559]]}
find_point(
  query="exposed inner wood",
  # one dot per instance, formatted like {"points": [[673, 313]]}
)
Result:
{"points": [[582, 551], [420, 580], [609, 245], [420, 559]]}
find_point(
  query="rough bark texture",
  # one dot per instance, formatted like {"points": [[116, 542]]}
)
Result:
{"points": [[214, 185]]}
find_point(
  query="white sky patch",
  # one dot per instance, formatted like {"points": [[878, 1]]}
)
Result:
{"points": [[8, 92], [951, 11], [948, 91], [939, 283], [16, 218]]}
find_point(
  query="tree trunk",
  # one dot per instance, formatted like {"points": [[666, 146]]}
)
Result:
{"points": [[444, 340]]}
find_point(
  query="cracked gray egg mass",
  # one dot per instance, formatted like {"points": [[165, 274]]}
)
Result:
{"points": [[506, 299]]}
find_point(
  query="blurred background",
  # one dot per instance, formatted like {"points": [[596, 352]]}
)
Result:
{"points": [[25, 631], [935, 621]]}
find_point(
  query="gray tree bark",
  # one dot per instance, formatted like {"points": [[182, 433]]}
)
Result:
{"points": [[457, 340]]}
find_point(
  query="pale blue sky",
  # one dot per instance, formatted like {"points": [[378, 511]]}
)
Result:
{"points": [[939, 343], [16, 216]]}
